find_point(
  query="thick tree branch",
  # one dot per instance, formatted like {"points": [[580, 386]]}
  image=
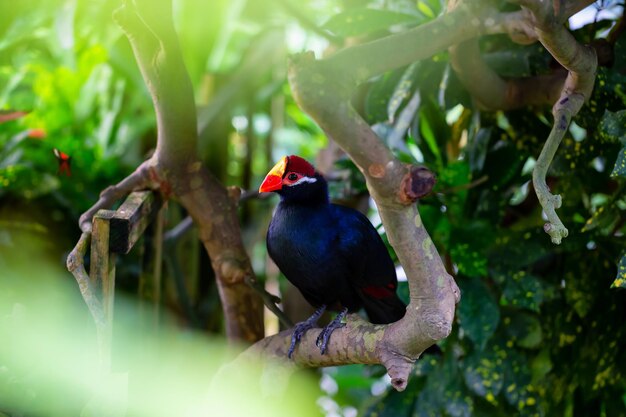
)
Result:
{"points": [[357, 342], [463, 23], [175, 170], [150, 30], [323, 88], [495, 93]]}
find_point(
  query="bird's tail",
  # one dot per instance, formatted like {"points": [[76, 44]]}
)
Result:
{"points": [[384, 310]]}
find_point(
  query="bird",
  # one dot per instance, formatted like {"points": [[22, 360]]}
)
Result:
{"points": [[331, 253]]}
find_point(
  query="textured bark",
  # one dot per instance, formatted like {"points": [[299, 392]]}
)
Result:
{"points": [[581, 63], [492, 92], [495, 93], [323, 88], [175, 169]]}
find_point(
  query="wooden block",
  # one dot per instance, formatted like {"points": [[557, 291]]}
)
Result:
{"points": [[131, 219]]}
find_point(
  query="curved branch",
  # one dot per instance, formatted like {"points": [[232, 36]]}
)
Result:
{"points": [[76, 265], [175, 167], [464, 22], [357, 342], [323, 88], [581, 63], [495, 93], [137, 180]]}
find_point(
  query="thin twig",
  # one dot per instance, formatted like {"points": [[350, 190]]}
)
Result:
{"points": [[270, 301], [308, 23], [467, 186], [76, 265], [137, 180]]}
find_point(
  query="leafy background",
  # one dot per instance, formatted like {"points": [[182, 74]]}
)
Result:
{"points": [[540, 328]]}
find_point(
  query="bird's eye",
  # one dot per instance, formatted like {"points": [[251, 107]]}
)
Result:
{"points": [[292, 177]]}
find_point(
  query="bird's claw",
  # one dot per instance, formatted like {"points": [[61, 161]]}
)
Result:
{"points": [[298, 331], [301, 328], [324, 337]]}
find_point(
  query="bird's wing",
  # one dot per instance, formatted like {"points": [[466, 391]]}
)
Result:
{"points": [[372, 272], [365, 253]]}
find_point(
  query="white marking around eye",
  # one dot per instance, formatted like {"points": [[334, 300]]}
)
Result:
{"points": [[301, 180]]}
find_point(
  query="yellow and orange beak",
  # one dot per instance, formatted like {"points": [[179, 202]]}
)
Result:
{"points": [[274, 179]]}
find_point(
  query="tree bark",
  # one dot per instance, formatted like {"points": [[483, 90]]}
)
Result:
{"points": [[175, 166]]}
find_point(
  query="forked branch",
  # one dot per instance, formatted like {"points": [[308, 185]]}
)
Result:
{"points": [[175, 170]]}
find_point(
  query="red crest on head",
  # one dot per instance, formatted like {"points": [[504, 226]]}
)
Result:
{"points": [[299, 165]]}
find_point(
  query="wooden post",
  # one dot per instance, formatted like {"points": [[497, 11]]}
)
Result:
{"points": [[116, 232], [102, 275]]}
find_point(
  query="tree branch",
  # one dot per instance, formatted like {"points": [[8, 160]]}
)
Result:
{"points": [[150, 30], [465, 22], [487, 87], [174, 169], [138, 180], [581, 63], [307, 23], [76, 265], [323, 88], [492, 92], [567, 89]]}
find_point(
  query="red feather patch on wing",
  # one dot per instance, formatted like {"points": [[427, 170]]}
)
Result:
{"points": [[64, 162], [299, 165], [378, 292]]}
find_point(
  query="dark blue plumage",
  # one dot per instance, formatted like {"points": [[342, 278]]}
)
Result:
{"points": [[331, 253]]}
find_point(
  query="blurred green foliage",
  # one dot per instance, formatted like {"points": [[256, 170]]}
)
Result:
{"points": [[49, 362], [539, 330]]}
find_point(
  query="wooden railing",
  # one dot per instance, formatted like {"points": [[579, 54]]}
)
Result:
{"points": [[114, 233]]}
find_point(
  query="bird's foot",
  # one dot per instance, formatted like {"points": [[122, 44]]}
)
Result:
{"points": [[324, 336], [301, 328]]}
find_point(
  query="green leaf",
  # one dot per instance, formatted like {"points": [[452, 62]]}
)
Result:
{"points": [[396, 403], [517, 387], [620, 279], [619, 170], [503, 164], [613, 126], [360, 21], [603, 218], [522, 290], [524, 329], [426, 8], [428, 402], [476, 149], [541, 365], [514, 62], [377, 99], [443, 391], [403, 90], [457, 401], [479, 314], [515, 250], [469, 244], [483, 374], [434, 131]]}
